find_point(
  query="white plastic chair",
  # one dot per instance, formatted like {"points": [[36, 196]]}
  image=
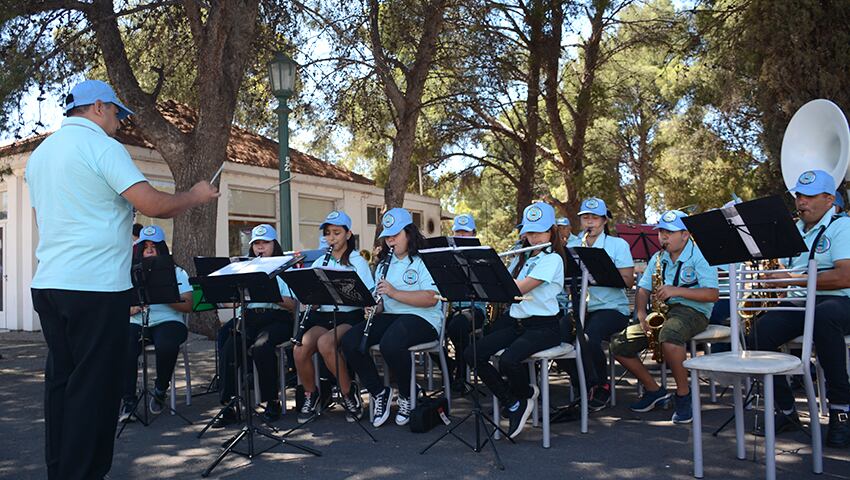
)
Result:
{"points": [[745, 363]]}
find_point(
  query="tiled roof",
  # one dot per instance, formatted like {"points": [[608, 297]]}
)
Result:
{"points": [[244, 147]]}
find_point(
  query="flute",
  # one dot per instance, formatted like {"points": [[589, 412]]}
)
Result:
{"points": [[526, 249], [299, 334], [386, 266]]}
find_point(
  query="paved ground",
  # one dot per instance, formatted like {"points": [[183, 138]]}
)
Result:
{"points": [[620, 444]]}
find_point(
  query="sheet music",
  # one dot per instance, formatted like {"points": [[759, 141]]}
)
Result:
{"points": [[267, 265]]}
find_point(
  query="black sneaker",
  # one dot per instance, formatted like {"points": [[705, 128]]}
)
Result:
{"points": [[126, 413], [382, 406], [518, 417], [157, 402], [274, 409], [599, 396], [838, 434], [227, 417], [309, 409], [781, 423], [353, 403]]}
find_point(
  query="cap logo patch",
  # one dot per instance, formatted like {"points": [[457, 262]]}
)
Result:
{"points": [[533, 214], [591, 203], [823, 245], [149, 230], [463, 220], [669, 217], [260, 230], [807, 177], [333, 215], [388, 221], [410, 276]]}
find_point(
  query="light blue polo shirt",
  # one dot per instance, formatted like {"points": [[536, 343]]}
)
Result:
{"points": [[410, 276], [693, 272], [833, 245], [608, 298], [75, 178], [549, 268], [164, 313], [284, 292], [359, 265]]}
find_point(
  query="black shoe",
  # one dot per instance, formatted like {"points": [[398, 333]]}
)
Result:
{"points": [[353, 403], [599, 396], [838, 434], [274, 409], [157, 402], [382, 406], [781, 423], [518, 417], [126, 413], [309, 408], [228, 417]]}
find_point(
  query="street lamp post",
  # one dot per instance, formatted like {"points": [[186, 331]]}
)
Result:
{"points": [[282, 79]]}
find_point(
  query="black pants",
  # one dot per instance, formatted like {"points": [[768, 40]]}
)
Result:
{"points": [[601, 324], [265, 330], [458, 329], [520, 339], [166, 338], [832, 323], [395, 334], [86, 335]]}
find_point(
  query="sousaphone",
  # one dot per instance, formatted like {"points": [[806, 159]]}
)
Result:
{"points": [[817, 138]]}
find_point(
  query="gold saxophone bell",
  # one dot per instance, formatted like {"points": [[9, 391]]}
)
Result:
{"points": [[749, 316], [655, 320]]}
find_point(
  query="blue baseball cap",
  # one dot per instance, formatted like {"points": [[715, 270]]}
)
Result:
{"points": [[537, 217], [839, 200], [90, 91], [263, 232], [394, 221], [336, 217], [563, 221], [671, 221], [465, 222], [594, 205], [813, 182], [151, 233]]}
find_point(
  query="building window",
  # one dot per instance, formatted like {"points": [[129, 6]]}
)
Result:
{"points": [[247, 209], [311, 214], [373, 214], [166, 224], [417, 219]]}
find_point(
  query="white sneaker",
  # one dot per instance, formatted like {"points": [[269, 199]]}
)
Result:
{"points": [[382, 406], [403, 415]]}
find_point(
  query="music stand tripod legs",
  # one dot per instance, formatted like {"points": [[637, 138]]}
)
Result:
{"points": [[248, 430], [146, 393], [480, 418]]}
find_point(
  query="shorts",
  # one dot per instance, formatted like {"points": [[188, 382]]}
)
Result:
{"points": [[682, 324]]}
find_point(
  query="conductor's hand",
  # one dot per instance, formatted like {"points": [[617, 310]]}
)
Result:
{"points": [[202, 192], [386, 288]]}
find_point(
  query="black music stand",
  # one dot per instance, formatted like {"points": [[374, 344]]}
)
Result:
{"points": [[251, 281], [154, 283], [473, 274], [642, 240], [329, 286], [755, 230]]}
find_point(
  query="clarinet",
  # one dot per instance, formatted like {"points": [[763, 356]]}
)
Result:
{"points": [[299, 334], [386, 266]]}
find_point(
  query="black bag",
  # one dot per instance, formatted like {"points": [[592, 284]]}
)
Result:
{"points": [[429, 413]]}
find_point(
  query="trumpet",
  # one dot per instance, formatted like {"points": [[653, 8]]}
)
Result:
{"points": [[364, 340], [299, 334], [525, 249]]}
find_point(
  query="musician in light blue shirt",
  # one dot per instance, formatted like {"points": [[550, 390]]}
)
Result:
{"points": [[409, 313]]}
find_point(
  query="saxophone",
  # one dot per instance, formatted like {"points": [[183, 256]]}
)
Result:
{"points": [[659, 312], [750, 316]]}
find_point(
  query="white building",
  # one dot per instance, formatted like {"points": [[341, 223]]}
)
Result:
{"points": [[249, 197]]}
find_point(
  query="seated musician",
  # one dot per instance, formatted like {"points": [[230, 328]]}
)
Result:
{"points": [[166, 329], [689, 288], [607, 308], [410, 313], [565, 230], [318, 334], [531, 325], [814, 198], [462, 317], [267, 326]]}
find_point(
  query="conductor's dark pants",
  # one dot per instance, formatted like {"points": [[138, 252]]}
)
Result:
{"points": [[86, 335]]}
